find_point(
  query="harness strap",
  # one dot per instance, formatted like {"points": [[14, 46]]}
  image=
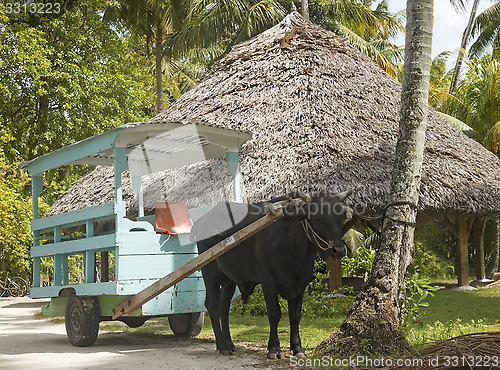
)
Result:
{"points": [[316, 239]]}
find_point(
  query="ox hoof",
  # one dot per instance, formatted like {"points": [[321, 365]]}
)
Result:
{"points": [[274, 356], [301, 355], [227, 352]]}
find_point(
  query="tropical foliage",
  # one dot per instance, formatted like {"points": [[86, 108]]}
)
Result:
{"points": [[370, 30], [64, 78], [487, 30], [15, 215], [475, 101], [362, 247]]}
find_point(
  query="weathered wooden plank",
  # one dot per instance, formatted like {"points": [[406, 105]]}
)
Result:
{"points": [[73, 218], [150, 266], [195, 264], [96, 244]]}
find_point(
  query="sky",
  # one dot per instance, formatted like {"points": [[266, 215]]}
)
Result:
{"points": [[448, 24]]}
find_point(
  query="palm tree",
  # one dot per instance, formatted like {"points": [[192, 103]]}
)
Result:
{"points": [[463, 45], [223, 23], [439, 80], [476, 100], [305, 8], [374, 320], [152, 19], [474, 107], [487, 30]]}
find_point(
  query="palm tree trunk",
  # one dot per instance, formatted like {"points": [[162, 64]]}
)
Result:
{"points": [[374, 320], [463, 45], [305, 8], [158, 69]]}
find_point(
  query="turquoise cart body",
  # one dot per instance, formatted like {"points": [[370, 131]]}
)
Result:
{"points": [[141, 256]]}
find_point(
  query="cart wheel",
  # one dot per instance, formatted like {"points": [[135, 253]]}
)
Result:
{"points": [[186, 324], [133, 322], [82, 320]]}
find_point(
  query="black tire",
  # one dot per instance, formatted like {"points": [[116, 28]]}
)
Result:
{"points": [[133, 322], [186, 324], [82, 320], [18, 287]]}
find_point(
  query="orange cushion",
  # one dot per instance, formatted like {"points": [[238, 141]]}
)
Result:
{"points": [[172, 218]]}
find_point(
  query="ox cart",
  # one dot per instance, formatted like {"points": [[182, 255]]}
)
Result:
{"points": [[123, 259]]}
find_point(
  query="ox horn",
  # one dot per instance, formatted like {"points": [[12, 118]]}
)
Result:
{"points": [[344, 194], [304, 196]]}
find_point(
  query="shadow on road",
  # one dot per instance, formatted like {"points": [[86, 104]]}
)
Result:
{"points": [[30, 343]]}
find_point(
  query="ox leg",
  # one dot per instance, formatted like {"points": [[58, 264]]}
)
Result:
{"points": [[225, 305], [274, 316], [294, 313], [213, 303]]}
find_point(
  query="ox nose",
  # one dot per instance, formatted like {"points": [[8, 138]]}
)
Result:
{"points": [[339, 251]]}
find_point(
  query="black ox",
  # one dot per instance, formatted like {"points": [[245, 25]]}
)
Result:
{"points": [[281, 258]]}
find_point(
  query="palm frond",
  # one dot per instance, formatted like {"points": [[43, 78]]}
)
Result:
{"points": [[367, 48], [487, 30], [211, 22], [467, 130], [459, 5], [492, 138], [353, 239], [257, 18]]}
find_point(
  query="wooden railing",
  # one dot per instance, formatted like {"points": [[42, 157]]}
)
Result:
{"points": [[60, 248]]}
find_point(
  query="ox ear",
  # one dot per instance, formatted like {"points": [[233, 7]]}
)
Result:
{"points": [[344, 194], [349, 212]]}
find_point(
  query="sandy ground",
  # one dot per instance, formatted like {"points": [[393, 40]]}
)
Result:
{"points": [[30, 343]]}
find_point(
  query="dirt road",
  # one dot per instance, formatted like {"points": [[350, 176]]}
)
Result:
{"points": [[30, 343]]}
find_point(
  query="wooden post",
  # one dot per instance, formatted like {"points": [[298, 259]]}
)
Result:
{"points": [[334, 267], [463, 252], [104, 266], [479, 224]]}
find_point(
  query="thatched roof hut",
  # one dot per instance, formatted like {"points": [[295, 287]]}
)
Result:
{"points": [[324, 117]]}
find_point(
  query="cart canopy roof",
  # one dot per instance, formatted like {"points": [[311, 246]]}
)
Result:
{"points": [[149, 147]]}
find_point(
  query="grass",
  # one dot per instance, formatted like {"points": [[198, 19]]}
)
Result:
{"points": [[244, 328], [450, 313]]}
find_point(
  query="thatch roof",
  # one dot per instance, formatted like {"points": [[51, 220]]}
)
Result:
{"points": [[324, 117]]}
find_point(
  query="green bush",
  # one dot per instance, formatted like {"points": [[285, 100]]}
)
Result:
{"points": [[417, 290], [317, 300], [15, 216], [361, 252], [437, 241], [427, 263]]}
